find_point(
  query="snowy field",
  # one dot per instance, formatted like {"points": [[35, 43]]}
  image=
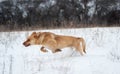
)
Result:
{"points": [[102, 45]]}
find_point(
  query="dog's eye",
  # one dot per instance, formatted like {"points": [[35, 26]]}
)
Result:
{"points": [[28, 40], [35, 36]]}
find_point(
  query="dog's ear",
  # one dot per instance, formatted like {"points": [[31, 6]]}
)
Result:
{"points": [[33, 33], [38, 34]]}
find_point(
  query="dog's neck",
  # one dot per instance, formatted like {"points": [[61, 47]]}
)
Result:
{"points": [[40, 40]]}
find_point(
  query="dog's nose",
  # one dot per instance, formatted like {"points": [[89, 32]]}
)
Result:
{"points": [[24, 43]]}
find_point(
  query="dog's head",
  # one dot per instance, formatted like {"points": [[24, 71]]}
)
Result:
{"points": [[31, 40]]}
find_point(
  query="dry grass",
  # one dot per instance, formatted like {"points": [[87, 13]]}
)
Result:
{"points": [[64, 25]]}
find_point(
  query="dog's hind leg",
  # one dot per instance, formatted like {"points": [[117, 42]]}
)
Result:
{"points": [[78, 48]]}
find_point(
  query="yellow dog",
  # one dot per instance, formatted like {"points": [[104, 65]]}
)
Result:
{"points": [[55, 42]]}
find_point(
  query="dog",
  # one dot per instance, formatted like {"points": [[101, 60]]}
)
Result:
{"points": [[55, 42]]}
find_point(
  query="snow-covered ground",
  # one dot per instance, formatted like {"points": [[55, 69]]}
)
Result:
{"points": [[102, 45]]}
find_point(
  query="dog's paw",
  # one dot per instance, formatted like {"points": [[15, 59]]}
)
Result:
{"points": [[43, 49], [58, 50]]}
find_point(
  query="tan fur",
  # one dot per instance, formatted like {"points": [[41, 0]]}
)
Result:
{"points": [[55, 42]]}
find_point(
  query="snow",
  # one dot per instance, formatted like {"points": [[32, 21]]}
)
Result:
{"points": [[2, 0], [23, 10], [102, 45], [118, 6], [47, 4], [91, 9]]}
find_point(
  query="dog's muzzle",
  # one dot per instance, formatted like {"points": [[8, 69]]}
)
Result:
{"points": [[26, 44]]}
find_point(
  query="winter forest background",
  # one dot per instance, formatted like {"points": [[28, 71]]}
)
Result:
{"points": [[30, 14]]}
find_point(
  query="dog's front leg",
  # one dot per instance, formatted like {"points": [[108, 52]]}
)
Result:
{"points": [[43, 49], [56, 50]]}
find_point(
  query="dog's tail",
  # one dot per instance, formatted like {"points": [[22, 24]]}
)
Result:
{"points": [[83, 44]]}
